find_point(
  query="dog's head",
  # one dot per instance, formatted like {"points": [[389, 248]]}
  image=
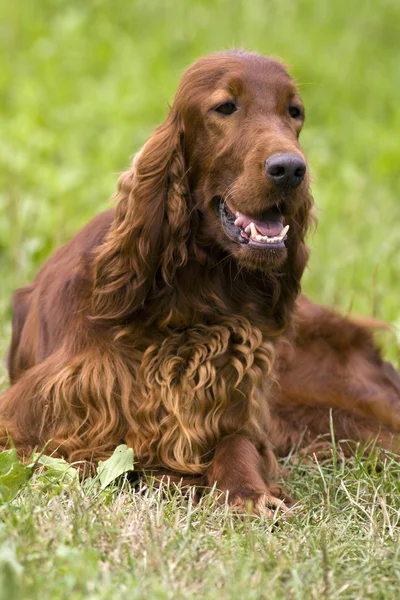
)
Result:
{"points": [[223, 173], [241, 117]]}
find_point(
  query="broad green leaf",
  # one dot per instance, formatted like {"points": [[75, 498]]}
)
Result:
{"points": [[119, 463], [58, 469], [13, 474]]}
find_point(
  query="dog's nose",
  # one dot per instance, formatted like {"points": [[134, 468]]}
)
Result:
{"points": [[285, 169]]}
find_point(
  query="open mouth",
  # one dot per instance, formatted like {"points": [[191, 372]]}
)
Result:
{"points": [[266, 230]]}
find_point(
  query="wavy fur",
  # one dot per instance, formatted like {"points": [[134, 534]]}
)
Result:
{"points": [[152, 327]]}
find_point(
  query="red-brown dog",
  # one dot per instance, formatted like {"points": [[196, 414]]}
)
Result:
{"points": [[171, 323]]}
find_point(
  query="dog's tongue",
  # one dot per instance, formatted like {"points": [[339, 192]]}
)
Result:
{"points": [[271, 225]]}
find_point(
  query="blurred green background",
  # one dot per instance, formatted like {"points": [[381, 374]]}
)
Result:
{"points": [[83, 84]]}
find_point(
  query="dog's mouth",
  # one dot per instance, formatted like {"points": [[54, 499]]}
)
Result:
{"points": [[265, 231]]}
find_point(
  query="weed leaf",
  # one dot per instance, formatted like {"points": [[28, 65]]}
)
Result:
{"points": [[13, 475], [119, 463], [58, 469]]}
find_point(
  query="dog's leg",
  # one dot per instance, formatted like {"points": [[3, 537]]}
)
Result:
{"points": [[239, 471]]}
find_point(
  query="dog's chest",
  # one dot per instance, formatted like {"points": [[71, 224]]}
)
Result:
{"points": [[203, 354], [197, 385]]}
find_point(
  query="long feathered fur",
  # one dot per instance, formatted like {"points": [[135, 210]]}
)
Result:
{"points": [[151, 327], [150, 228], [167, 341]]}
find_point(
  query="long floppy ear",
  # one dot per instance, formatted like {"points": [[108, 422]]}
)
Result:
{"points": [[150, 228]]}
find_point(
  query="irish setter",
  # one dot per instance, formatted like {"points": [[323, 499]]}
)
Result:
{"points": [[174, 322]]}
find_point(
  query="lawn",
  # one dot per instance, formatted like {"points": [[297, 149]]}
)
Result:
{"points": [[82, 85]]}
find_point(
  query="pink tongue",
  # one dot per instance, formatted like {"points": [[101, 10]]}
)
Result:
{"points": [[269, 228]]}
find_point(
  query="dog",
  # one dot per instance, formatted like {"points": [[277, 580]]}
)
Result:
{"points": [[174, 323]]}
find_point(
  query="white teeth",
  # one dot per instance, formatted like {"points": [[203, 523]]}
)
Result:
{"points": [[284, 231], [252, 231], [255, 235]]}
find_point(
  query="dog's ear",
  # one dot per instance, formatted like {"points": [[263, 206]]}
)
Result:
{"points": [[151, 226]]}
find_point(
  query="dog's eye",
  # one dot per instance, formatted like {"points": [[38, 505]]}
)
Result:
{"points": [[295, 112], [227, 108]]}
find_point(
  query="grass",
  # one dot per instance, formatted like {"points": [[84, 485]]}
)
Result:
{"points": [[60, 541], [81, 87]]}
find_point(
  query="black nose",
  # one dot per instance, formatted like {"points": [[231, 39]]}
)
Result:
{"points": [[286, 169]]}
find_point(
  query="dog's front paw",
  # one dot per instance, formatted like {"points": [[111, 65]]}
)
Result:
{"points": [[258, 503]]}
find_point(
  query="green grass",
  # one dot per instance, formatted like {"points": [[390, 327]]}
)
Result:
{"points": [[82, 84], [59, 541]]}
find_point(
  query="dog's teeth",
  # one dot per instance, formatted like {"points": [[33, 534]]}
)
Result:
{"points": [[284, 231], [253, 230]]}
